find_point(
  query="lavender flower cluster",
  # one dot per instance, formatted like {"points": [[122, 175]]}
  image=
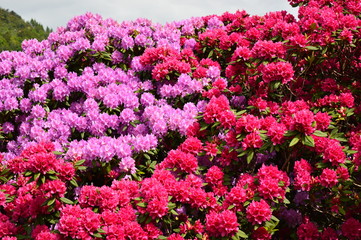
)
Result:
{"points": [[83, 90]]}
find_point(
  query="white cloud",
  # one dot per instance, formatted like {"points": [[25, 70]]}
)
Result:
{"points": [[58, 13]]}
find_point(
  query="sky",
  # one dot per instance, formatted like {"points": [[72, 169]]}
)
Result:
{"points": [[56, 13]]}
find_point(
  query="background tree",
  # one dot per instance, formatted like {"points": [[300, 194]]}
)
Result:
{"points": [[13, 30]]}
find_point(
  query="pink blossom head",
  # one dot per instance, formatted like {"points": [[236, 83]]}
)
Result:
{"points": [[258, 212]]}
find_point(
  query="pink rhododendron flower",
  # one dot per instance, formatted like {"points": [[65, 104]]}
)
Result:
{"points": [[328, 177], [307, 231], [279, 71], [221, 224], [252, 140], [351, 228], [180, 160], [303, 178], [258, 212], [261, 234], [214, 177], [303, 121]]}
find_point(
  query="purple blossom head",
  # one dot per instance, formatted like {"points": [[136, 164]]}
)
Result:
{"points": [[127, 164], [23, 72], [110, 121], [117, 57], [64, 52], [159, 127], [7, 127], [90, 104], [301, 197], [11, 104], [127, 116], [187, 28], [147, 99], [144, 142], [38, 111], [122, 148], [261, 158], [111, 100], [146, 85], [100, 42], [214, 23], [40, 93], [60, 90], [190, 43], [292, 217], [39, 134], [97, 128], [143, 41], [213, 72], [168, 91], [139, 129], [81, 44], [136, 65], [5, 67], [127, 42], [106, 151], [201, 105], [238, 101], [60, 71]]}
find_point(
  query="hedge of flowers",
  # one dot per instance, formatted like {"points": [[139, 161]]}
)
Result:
{"points": [[218, 127]]}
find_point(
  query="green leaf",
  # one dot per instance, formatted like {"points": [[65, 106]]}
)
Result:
{"points": [[81, 168], [294, 141], [174, 212], [80, 162], [21, 237], [74, 183], [216, 124], [320, 134], [3, 179], [172, 205], [66, 200], [342, 211], [97, 235], [242, 234], [142, 204], [203, 127], [312, 48], [231, 207], [43, 179], [351, 151], [53, 177], [275, 219], [50, 202], [146, 156], [308, 141], [321, 165], [36, 175], [250, 157], [10, 198], [235, 237], [290, 133], [58, 153]]}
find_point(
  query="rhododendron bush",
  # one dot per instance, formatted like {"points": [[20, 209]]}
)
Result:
{"points": [[218, 127]]}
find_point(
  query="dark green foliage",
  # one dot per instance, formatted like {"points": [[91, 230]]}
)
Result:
{"points": [[13, 30]]}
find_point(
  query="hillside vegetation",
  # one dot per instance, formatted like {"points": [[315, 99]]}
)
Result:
{"points": [[14, 29]]}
